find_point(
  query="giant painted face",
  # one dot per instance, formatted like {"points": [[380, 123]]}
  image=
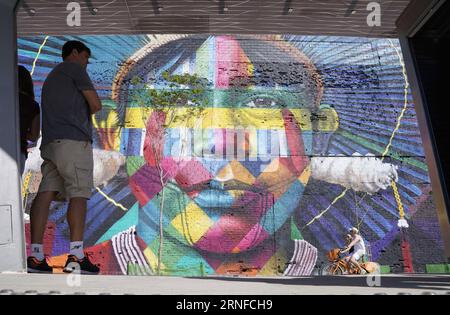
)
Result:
{"points": [[231, 188], [228, 213]]}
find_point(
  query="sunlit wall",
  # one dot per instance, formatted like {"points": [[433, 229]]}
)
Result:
{"points": [[297, 140]]}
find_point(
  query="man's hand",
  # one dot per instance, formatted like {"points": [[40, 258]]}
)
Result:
{"points": [[93, 100]]}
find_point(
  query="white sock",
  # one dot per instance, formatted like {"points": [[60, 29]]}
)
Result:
{"points": [[37, 251], [76, 248]]}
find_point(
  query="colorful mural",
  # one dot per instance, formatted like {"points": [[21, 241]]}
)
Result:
{"points": [[293, 141]]}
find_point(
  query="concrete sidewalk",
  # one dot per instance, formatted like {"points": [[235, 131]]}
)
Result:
{"points": [[93, 285]]}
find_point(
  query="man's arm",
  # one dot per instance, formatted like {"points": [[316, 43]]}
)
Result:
{"points": [[93, 100], [85, 86], [353, 243], [35, 130]]}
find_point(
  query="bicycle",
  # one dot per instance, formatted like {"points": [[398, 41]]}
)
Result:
{"points": [[338, 266]]}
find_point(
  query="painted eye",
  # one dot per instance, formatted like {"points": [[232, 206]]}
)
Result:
{"points": [[261, 102]]}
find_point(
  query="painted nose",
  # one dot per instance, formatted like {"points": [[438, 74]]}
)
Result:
{"points": [[227, 175]]}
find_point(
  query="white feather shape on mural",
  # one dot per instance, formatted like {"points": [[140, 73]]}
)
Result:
{"points": [[106, 166], [360, 173]]}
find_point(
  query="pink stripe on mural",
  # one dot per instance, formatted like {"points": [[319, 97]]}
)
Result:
{"points": [[407, 257], [192, 173], [154, 138], [145, 184], [216, 240], [231, 62], [219, 142], [256, 235], [225, 234], [297, 160]]}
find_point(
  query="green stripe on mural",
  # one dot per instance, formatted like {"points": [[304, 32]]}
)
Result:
{"points": [[109, 103], [380, 150], [134, 163], [202, 60], [295, 232], [385, 269], [234, 98], [437, 268]]}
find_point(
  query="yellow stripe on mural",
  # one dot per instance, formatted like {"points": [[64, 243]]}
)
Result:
{"points": [[258, 118], [271, 267], [38, 54], [111, 200], [152, 259], [306, 174], [192, 223], [110, 124]]}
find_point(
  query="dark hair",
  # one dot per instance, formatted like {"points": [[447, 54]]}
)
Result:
{"points": [[25, 82], [71, 45]]}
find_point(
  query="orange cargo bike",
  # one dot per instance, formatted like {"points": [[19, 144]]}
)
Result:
{"points": [[338, 266]]}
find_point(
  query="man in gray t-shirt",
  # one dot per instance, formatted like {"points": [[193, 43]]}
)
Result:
{"points": [[65, 112], [68, 101]]}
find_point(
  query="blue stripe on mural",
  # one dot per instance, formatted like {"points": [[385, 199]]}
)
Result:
{"points": [[124, 141], [376, 216], [283, 208], [128, 220], [406, 171], [383, 134], [384, 203], [325, 239], [210, 198], [352, 146], [133, 146], [343, 221], [407, 149], [343, 149], [368, 222], [148, 226]]}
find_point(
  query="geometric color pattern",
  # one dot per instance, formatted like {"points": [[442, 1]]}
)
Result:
{"points": [[235, 181]]}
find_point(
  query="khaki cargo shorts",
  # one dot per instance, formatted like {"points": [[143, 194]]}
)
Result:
{"points": [[67, 169]]}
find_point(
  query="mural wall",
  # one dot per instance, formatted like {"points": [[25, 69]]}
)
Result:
{"points": [[288, 142]]}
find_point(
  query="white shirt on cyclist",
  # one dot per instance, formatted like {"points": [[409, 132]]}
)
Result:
{"points": [[359, 248], [359, 244]]}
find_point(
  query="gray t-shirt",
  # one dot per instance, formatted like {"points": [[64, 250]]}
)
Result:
{"points": [[65, 111]]}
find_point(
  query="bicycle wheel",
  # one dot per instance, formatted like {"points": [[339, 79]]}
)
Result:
{"points": [[332, 269]]}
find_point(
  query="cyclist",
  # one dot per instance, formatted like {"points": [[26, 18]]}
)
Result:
{"points": [[358, 247]]}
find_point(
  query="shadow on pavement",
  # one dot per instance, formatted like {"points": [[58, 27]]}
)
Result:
{"points": [[423, 282]]}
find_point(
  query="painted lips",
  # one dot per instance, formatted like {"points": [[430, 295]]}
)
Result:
{"points": [[215, 194]]}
